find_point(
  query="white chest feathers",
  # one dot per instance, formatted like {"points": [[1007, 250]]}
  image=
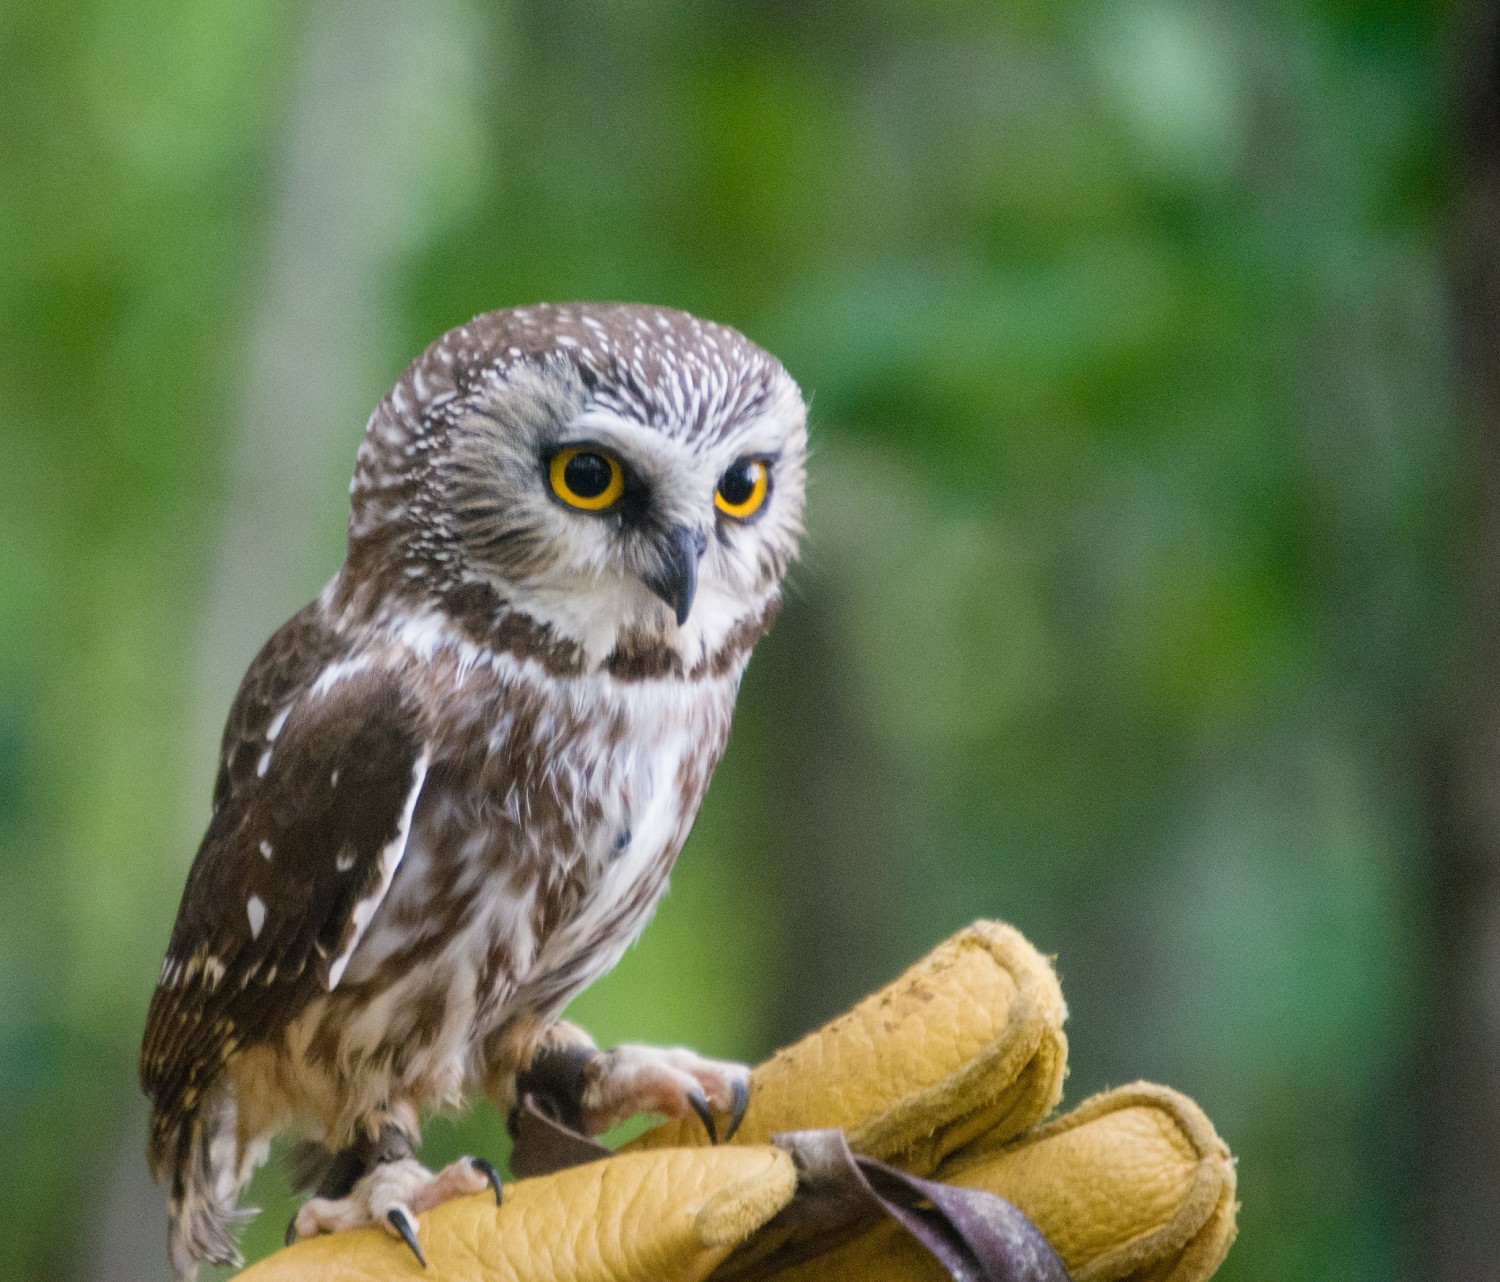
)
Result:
{"points": [[532, 866]]}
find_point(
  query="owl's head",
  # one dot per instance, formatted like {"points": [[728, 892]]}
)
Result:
{"points": [[616, 474]]}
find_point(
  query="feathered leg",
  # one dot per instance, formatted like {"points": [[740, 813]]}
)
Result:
{"points": [[207, 1172]]}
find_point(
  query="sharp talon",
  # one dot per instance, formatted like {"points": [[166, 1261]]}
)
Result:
{"points": [[291, 1231], [487, 1169], [739, 1102], [699, 1103], [402, 1225]]}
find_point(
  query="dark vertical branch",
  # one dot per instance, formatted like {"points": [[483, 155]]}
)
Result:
{"points": [[1461, 1098], [836, 849]]}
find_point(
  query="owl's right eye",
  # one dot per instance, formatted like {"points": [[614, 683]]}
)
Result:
{"points": [[586, 478]]}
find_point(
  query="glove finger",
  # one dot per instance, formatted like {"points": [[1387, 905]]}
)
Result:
{"points": [[967, 1042], [1133, 1182], [669, 1216]]}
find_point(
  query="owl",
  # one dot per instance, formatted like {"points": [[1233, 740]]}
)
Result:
{"points": [[452, 788]]}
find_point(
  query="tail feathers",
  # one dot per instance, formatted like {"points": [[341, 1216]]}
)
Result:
{"points": [[206, 1177]]}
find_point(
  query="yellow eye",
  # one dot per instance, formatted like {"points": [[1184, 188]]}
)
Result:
{"points": [[742, 489], [585, 478]]}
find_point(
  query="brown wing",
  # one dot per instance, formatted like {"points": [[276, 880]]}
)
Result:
{"points": [[308, 826]]}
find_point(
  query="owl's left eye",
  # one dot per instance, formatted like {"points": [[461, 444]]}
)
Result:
{"points": [[742, 489], [585, 478]]}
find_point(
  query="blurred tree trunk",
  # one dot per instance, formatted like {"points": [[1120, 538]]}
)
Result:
{"points": [[1460, 1097], [836, 850]]}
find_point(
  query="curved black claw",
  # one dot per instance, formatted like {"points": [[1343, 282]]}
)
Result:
{"points": [[739, 1101], [403, 1226], [487, 1169], [699, 1102], [291, 1231]]}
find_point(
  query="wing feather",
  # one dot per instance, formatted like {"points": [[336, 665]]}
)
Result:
{"points": [[331, 795]]}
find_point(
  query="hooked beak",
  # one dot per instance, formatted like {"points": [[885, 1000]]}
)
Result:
{"points": [[676, 578]]}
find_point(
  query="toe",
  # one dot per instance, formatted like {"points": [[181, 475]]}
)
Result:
{"points": [[457, 1179], [679, 1083], [325, 1215]]}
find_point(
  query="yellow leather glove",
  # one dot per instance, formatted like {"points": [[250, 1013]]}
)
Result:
{"points": [[946, 1074]]}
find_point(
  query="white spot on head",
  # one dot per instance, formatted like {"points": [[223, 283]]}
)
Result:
{"points": [[255, 909], [263, 764], [265, 849]]}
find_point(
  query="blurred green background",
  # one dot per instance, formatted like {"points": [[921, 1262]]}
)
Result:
{"points": [[1140, 492]]}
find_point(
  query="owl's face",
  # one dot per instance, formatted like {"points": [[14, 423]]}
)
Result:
{"points": [[638, 487]]}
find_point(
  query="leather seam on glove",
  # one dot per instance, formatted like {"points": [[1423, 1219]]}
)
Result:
{"points": [[1008, 1086]]}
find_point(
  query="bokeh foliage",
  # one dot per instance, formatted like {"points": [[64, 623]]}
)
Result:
{"points": [[1127, 607]]}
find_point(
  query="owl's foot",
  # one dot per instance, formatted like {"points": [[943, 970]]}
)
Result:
{"points": [[393, 1195], [627, 1080]]}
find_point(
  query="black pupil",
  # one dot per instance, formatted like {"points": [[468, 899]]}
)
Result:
{"points": [[738, 484], [587, 475]]}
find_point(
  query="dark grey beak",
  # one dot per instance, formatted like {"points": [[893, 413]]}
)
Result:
{"points": [[676, 579]]}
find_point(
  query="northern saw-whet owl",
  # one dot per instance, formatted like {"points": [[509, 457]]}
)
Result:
{"points": [[451, 788]]}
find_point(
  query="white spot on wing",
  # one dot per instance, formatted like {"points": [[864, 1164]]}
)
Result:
{"points": [[390, 860], [277, 723], [255, 910], [263, 764], [265, 849], [336, 672]]}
